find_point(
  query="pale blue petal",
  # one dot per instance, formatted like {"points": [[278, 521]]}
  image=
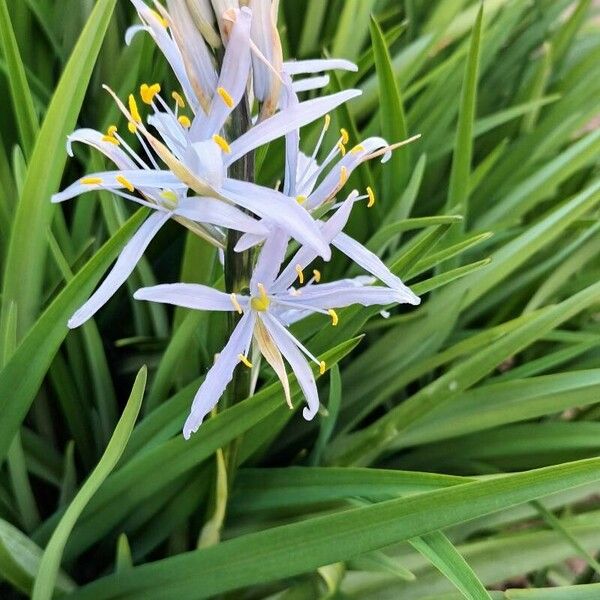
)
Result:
{"points": [[287, 120], [94, 138], [188, 295], [310, 83], [128, 259], [371, 263], [297, 362], [269, 260], [318, 65], [247, 241], [220, 374], [292, 143], [205, 160], [278, 209], [218, 212]]}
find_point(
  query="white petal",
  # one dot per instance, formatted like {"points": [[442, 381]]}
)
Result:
{"points": [[318, 65], [218, 212], [233, 78], [247, 241], [278, 209], [128, 259], [94, 138], [269, 260], [205, 160], [310, 83], [287, 120], [188, 295], [371, 263], [219, 375], [299, 365]]}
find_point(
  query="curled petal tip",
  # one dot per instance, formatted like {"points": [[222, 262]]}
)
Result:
{"points": [[308, 414]]}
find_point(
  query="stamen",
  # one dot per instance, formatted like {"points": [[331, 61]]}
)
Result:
{"points": [[110, 135], [334, 317], [317, 275], [358, 148], [341, 148], [91, 181], [147, 92], [300, 199], [226, 97], [371, 195], [178, 99], [125, 183], [300, 274], [322, 367], [345, 136], [133, 109], [245, 361], [160, 18], [220, 141], [236, 304], [262, 302], [132, 127], [327, 122], [184, 121], [343, 175]]}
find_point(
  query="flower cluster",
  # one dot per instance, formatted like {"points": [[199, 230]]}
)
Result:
{"points": [[181, 172]]}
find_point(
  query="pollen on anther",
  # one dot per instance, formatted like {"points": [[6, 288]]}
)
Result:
{"points": [[125, 183], [317, 275], [358, 148], [300, 199], [343, 175], [345, 136], [91, 181], [245, 361], [334, 317], [184, 121], [178, 99], [133, 110], [236, 303], [341, 148], [110, 135], [226, 97], [327, 122], [147, 92], [371, 195], [322, 367], [222, 143], [160, 18], [300, 273]]}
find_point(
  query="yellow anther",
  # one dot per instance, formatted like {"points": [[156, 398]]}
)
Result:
{"points": [[125, 183], [322, 367], [345, 136], [221, 142], [147, 92], [341, 148], [160, 18], [91, 181], [225, 96], [371, 195], [110, 135], [178, 99], [343, 175], [334, 317], [317, 275], [300, 273], [244, 359], [236, 304], [262, 301], [132, 127], [327, 122], [133, 110], [358, 148], [300, 199], [184, 121]]}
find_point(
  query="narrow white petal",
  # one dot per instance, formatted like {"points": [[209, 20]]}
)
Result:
{"points": [[218, 212], [219, 375], [299, 365], [287, 120], [318, 66], [94, 138], [128, 259], [278, 209], [310, 83], [269, 260], [188, 295], [247, 241], [371, 263]]}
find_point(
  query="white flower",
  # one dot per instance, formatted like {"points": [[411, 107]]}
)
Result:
{"points": [[265, 314]]}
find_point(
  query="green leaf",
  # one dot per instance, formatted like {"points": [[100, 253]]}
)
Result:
{"points": [[50, 563], [20, 379], [24, 267], [569, 592], [268, 555], [443, 555]]}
